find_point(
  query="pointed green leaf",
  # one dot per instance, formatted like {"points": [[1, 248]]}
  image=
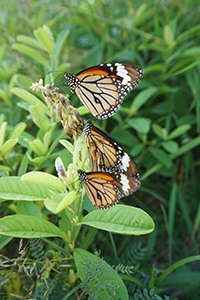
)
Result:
{"points": [[38, 160], [142, 98], [8, 145], [4, 240], [137, 149], [19, 128], [175, 266], [120, 219], [68, 145], [59, 202], [13, 188], [28, 227], [32, 53], [86, 261], [80, 154], [28, 208], [37, 146], [2, 133], [39, 117], [29, 41], [46, 140], [162, 157], [30, 98], [159, 131], [168, 34], [179, 131], [46, 179], [140, 124], [43, 35], [170, 146]]}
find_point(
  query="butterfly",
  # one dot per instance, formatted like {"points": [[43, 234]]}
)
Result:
{"points": [[104, 189], [105, 154], [102, 88]]}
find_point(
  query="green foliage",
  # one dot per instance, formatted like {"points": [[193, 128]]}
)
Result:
{"points": [[98, 278], [148, 295], [158, 125]]}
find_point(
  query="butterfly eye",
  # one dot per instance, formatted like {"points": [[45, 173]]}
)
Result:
{"points": [[102, 88]]}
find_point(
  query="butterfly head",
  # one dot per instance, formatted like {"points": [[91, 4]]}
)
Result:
{"points": [[73, 81], [82, 176], [88, 127]]}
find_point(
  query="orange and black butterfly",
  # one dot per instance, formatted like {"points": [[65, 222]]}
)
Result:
{"points": [[105, 154], [102, 88], [104, 189]]}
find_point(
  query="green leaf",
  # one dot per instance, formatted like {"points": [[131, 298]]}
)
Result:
{"points": [[39, 117], [46, 179], [161, 156], [186, 148], [80, 154], [188, 33], [13, 188], [24, 163], [7, 146], [175, 266], [159, 131], [137, 149], [29, 41], [179, 131], [142, 98], [2, 133], [140, 124], [170, 146], [69, 146], [37, 146], [4, 240], [193, 51], [59, 202], [182, 150], [88, 262], [28, 208], [120, 219], [168, 172], [19, 128], [30, 98], [168, 34], [28, 227], [187, 68], [44, 36], [3, 48], [60, 41], [32, 53]]}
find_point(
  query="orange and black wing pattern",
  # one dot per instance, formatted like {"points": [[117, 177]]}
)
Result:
{"points": [[102, 88], [105, 154], [104, 189]]}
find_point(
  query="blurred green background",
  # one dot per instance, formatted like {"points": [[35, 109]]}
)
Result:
{"points": [[158, 124]]}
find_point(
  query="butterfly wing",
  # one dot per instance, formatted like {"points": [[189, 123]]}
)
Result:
{"points": [[102, 88], [105, 189], [105, 154]]}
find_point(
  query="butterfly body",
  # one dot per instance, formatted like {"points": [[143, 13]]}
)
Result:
{"points": [[102, 88], [104, 189], [105, 154]]}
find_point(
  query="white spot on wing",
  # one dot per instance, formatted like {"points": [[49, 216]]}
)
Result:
{"points": [[125, 162], [122, 69], [124, 76], [125, 183]]}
